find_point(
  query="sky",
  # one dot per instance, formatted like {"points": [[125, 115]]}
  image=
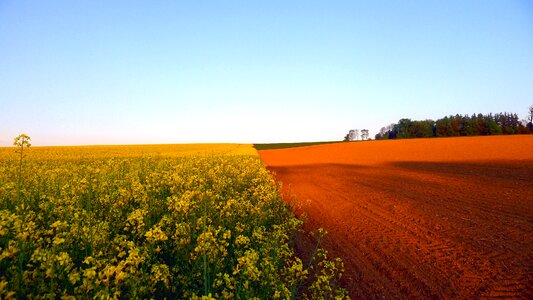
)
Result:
{"points": [[144, 72]]}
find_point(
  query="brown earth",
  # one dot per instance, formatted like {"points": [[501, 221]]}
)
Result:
{"points": [[420, 218]]}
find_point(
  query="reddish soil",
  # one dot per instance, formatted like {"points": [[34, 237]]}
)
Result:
{"points": [[421, 218]]}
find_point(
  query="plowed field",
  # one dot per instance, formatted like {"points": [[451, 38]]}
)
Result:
{"points": [[421, 218]]}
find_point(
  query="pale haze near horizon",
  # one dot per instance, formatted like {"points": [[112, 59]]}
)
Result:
{"points": [[138, 72]]}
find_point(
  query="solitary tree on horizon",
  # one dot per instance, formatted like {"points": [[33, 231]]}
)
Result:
{"points": [[364, 134], [352, 135], [530, 117]]}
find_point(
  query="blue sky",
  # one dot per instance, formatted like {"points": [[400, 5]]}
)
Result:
{"points": [[121, 72]]}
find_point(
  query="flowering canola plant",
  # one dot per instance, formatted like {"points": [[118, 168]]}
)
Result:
{"points": [[157, 221]]}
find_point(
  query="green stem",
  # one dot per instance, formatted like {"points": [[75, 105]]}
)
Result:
{"points": [[205, 275], [19, 181], [206, 283], [294, 290]]}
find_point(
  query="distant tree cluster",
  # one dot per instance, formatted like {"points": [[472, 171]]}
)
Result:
{"points": [[354, 134], [459, 125]]}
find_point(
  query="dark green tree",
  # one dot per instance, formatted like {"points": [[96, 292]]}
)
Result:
{"points": [[404, 128], [468, 126], [491, 126], [422, 129]]}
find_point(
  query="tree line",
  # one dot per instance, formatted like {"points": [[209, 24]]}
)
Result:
{"points": [[459, 125]]}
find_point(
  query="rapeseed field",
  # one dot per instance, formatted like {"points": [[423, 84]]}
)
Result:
{"points": [[156, 221]]}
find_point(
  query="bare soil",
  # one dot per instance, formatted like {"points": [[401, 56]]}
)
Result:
{"points": [[421, 218]]}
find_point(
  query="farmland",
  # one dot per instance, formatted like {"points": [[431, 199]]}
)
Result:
{"points": [[110, 151], [421, 218], [150, 221]]}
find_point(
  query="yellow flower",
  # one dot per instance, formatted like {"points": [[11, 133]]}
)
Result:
{"points": [[58, 240], [90, 273], [155, 234]]}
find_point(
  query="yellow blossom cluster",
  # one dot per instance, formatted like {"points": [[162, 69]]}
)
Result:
{"points": [[150, 222]]}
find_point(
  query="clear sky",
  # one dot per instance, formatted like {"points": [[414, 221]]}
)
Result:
{"points": [[121, 72]]}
